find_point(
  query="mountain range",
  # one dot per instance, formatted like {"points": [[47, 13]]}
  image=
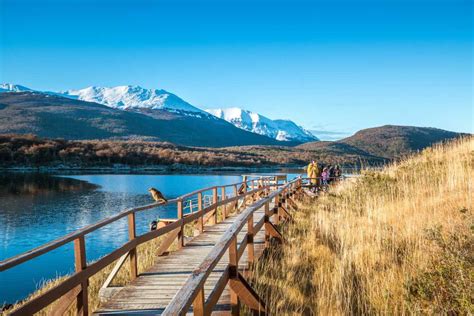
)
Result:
{"points": [[138, 99], [283, 130], [134, 113], [55, 116]]}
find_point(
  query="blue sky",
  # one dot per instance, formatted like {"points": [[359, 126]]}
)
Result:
{"points": [[331, 66]]}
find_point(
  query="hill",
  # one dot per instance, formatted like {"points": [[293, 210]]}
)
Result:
{"points": [[389, 141], [54, 116], [393, 242]]}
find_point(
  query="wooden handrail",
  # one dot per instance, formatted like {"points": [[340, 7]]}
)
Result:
{"points": [[185, 297], [82, 274], [35, 252]]}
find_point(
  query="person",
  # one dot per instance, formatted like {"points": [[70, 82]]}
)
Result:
{"points": [[325, 176], [312, 172], [337, 172], [331, 173]]}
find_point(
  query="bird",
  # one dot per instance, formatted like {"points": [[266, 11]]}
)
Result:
{"points": [[157, 195]]}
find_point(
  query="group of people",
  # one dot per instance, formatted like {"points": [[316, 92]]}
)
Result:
{"points": [[321, 176]]}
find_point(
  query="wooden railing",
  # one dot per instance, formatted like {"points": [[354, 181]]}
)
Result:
{"points": [[192, 293], [75, 287]]}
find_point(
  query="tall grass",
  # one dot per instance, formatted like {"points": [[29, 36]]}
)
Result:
{"points": [[397, 241]]}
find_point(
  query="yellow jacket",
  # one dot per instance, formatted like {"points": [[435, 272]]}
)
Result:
{"points": [[312, 171]]}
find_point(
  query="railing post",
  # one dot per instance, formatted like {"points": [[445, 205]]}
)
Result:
{"points": [[198, 303], [250, 245], [201, 217], [82, 303], [181, 229], [133, 252], [276, 217], [224, 207], [214, 201], [267, 219], [233, 273], [236, 203]]}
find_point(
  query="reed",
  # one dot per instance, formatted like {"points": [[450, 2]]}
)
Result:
{"points": [[397, 241]]}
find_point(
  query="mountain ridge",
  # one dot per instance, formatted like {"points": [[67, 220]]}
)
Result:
{"points": [[137, 98], [283, 130], [54, 116]]}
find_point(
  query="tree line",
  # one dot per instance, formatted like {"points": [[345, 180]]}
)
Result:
{"points": [[30, 150]]}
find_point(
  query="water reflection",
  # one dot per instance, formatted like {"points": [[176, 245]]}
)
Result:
{"points": [[39, 184]]}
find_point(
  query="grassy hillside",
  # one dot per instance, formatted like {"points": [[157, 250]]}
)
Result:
{"points": [[399, 241], [394, 141], [388, 141]]}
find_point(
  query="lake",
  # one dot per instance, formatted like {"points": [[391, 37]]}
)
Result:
{"points": [[38, 208]]}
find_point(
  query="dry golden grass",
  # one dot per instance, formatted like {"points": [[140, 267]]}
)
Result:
{"points": [[399, 241]]}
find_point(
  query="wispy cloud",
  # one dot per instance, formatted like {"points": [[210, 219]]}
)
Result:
{"points": [[329, 135]]}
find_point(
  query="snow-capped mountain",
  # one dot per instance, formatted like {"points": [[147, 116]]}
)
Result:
{"points": [[141, 100], [9, 87], [130, 97], [283, 130]]}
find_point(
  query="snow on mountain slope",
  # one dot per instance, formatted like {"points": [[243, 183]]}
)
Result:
{"points": [[9, 87], [141, 99], [283, 130], [130, 97]]}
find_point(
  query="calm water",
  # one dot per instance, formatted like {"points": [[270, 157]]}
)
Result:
{"points": [[35, 209]]}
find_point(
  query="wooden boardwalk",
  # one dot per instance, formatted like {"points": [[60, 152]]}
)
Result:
{"points": [[153, 290], [205, 275]]}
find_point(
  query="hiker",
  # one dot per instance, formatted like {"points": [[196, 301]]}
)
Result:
{"points": [[331, 174], [325, 176], [313, 172], [337, 173]]}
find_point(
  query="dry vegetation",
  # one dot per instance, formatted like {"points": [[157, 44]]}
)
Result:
{"points": [[398, 241], [32, 151]]}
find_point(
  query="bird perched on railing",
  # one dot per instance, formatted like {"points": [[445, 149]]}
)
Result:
{"points": [[157, 195]]}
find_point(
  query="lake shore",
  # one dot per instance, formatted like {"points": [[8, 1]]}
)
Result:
{"points": [[152, 169]]}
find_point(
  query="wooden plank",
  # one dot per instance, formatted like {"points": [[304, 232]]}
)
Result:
{"points": [[246, 294], [167, 242], [282, 212], [65, 302], [115, 270], [217, 291], [273, 231]]}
